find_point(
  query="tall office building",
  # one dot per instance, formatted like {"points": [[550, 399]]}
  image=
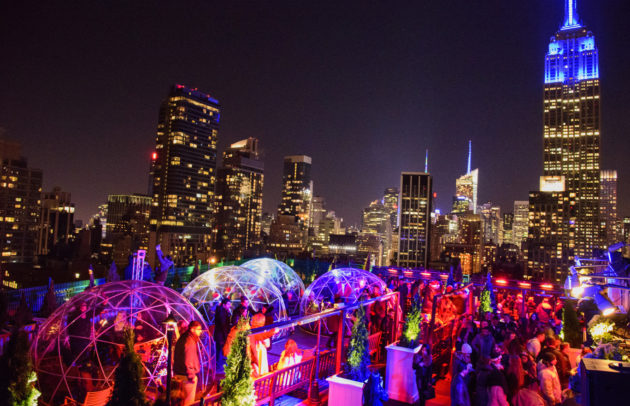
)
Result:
{"points": [[183, 174], [56, 221], [551, 243], [608, 206], [297, 188], [415, 219], [376, 220], [239, 195], [469, 247], [20, 205], [465, 199], [521, 222], [508, 225], [492, 223], [390, 201], [127, 225], [571, 119]]}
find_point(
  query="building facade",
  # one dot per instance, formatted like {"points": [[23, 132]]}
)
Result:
{"points": [[127, 227], [608, 207], [416, 191], [520, 223], [550, 248], [571, 124], [56, 221], [239, 196], [183, 174], [20, 205], [297, 188]]}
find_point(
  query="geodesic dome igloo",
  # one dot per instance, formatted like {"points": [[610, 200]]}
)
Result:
{"points": [[232, 282], [283, 276], [78, 348], [347, 284]]}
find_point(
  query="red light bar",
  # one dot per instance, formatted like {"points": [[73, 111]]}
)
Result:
{"points": [[426, 274], [154, 156], [391, 270], [525, 284], [501, 282], [546, 286]]}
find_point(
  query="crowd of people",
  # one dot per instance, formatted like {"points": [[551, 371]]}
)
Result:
{"points": [[512, 356]]}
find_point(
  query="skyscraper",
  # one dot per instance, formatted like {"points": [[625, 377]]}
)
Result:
{"points": [[415, 219], [465, 199], [376, 220], [297, 188], [127, 225], [608, 206], [550, 246], [492, 223], [20, 201], [521, 222], [571, 119], [390, 201], [56, 221], [183, 173], [239, 195], [508, 225]]}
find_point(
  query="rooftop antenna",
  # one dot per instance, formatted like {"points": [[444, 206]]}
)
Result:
{"points": [[469, 154], [426, 161]]}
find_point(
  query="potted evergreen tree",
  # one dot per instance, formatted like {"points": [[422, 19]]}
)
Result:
{"points": [[238, 385], [400, 380], [571, 331], [17, 377], [128, 385], [347, 390]]}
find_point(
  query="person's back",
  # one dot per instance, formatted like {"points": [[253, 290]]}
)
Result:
{"points": [[221, 324]]}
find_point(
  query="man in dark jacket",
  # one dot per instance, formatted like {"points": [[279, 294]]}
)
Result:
{"points": [[242, 310], [186, 364], [222, 317]]}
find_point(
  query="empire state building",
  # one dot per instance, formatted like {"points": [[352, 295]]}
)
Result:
{"points": [[571, 122]]}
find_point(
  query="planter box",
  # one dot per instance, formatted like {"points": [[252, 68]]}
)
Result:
{"points": [[400, 378], [344, 392]]}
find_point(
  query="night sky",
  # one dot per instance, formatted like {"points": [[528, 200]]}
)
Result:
{"points": [[362, 87]]}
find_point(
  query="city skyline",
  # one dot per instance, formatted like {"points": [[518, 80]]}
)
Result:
{"points": [[299, 121]]}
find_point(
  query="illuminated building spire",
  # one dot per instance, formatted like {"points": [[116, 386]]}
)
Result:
{"points": [[426, 161], [570, 15], [469, 154]]}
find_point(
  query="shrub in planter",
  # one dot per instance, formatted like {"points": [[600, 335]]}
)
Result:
{"points": [[411, 328], [17, 377], [238, 385], [571, 332], [356, 367], [128, 386]]}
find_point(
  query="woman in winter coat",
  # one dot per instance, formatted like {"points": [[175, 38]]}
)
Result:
{"points": [[549, 381]]}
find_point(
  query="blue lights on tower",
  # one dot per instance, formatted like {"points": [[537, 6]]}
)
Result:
{"points": [[572, 56], [570, 15]]}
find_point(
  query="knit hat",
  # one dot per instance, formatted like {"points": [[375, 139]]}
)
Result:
{"points": [[466, 349]]}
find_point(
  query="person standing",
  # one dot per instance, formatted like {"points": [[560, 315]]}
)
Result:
{"points": [[242, 310], [549, 381], [422, 363], [186, 364], [222, 317], [259, 343]]}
